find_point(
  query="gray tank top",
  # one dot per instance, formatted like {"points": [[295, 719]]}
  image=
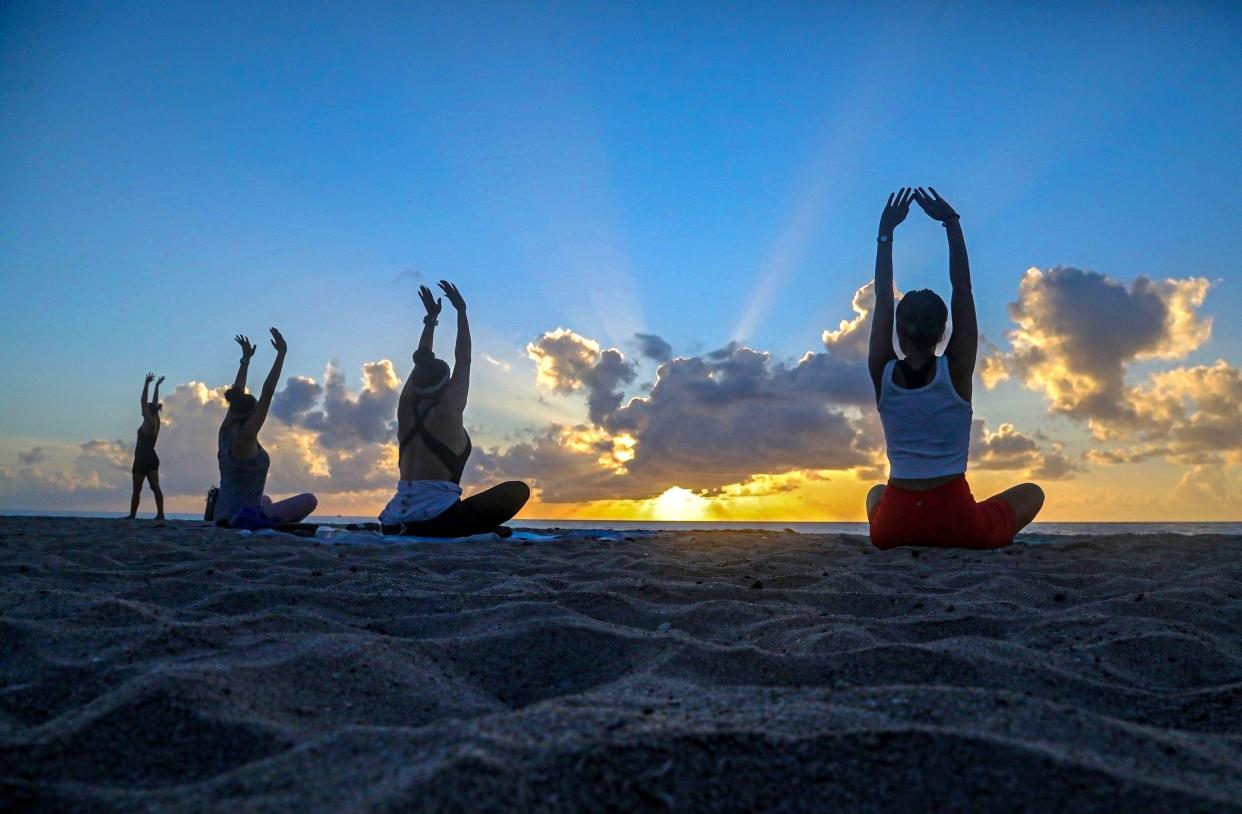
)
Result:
{"points": [[241, 481]]}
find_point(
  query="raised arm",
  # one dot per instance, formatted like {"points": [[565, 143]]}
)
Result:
{"points": [[243, 364], [459, 385], [963, 344], [255, 421], [145, 389], [156, 398], [430, 320], [880, 349]]}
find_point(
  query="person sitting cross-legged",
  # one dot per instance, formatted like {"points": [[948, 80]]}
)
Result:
{"points": [[434, 444], [925, 405]]}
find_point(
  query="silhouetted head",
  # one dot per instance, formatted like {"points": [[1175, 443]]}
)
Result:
{"points": [[921, 319], [241, 403], [430, 374]]}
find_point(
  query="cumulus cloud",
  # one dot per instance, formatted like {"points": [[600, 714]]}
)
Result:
{"points": [[566, 362], [561, 359], [567, 463], [35, 488], [851, 338], [654, 347], [1191, 409], [707, 422], [1078, 334], [1006, 448], [1054, 465], [1009, 449], [298, 398], [1077, 331], [109, 454], [92, 471], [720, 418], [342, 419]]}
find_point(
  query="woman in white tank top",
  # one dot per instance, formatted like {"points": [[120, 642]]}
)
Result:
{"points": [[924, 404]]}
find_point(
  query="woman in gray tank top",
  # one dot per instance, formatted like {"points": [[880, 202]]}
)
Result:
{"points": [[243, 460]]}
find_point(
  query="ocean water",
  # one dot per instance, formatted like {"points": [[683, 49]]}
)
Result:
{"points": [[1035, 533]]}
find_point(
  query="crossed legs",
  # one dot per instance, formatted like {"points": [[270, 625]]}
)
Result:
{"points": [[291, 509], [477, 514], [1026, 499]]}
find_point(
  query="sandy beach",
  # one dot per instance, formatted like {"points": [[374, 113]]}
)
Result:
{"points": [[183, 668]]}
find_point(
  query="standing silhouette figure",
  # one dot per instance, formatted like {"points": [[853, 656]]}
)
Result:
{"points": [[146, 462]]}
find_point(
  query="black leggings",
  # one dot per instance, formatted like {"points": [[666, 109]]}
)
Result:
{"points": [[477, 514]]}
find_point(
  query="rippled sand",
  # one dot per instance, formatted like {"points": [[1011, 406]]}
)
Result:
{"points": [[181, 668]]}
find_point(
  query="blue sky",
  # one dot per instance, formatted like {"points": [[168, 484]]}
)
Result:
{"points": [[173, 174]]}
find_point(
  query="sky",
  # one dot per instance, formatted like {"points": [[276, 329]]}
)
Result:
{"points": [[662, 217]]}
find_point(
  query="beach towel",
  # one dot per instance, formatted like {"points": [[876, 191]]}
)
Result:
{"points": [[338, 536], [252, 518]]}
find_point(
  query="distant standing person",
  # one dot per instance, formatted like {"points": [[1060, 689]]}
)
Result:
{"points": [[243, 460], [146, 462], [924, 403], [434, 444]]}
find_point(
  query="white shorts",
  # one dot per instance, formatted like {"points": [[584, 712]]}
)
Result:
{"points": [[419, 500]]}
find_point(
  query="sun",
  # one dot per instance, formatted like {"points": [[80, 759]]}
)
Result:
{"points": [[679, 504]]}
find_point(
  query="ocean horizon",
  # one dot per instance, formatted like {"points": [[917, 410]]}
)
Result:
{"points": [[1034, 533]]}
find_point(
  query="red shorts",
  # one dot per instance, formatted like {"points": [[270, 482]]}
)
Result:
{"points": [[946, 516]]}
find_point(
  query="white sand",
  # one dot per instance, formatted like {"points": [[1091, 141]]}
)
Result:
{"points": [[187, 669]]}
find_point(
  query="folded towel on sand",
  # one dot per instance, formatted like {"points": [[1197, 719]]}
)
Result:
{"points": [[339, 536]]}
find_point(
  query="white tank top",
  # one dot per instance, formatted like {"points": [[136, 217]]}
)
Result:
{"points": [[927, 429]]}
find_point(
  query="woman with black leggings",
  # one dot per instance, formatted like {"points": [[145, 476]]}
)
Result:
{"points": [[434, 444], [146, 463]]}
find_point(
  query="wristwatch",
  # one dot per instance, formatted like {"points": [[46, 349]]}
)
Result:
{"points": [[884, 239], [430, 320]]}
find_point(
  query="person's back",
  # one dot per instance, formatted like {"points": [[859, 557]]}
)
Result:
{"points": [[924, 402], [926, 428], [433, 445], [427, 429], [243, 461], [242, 480]]}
